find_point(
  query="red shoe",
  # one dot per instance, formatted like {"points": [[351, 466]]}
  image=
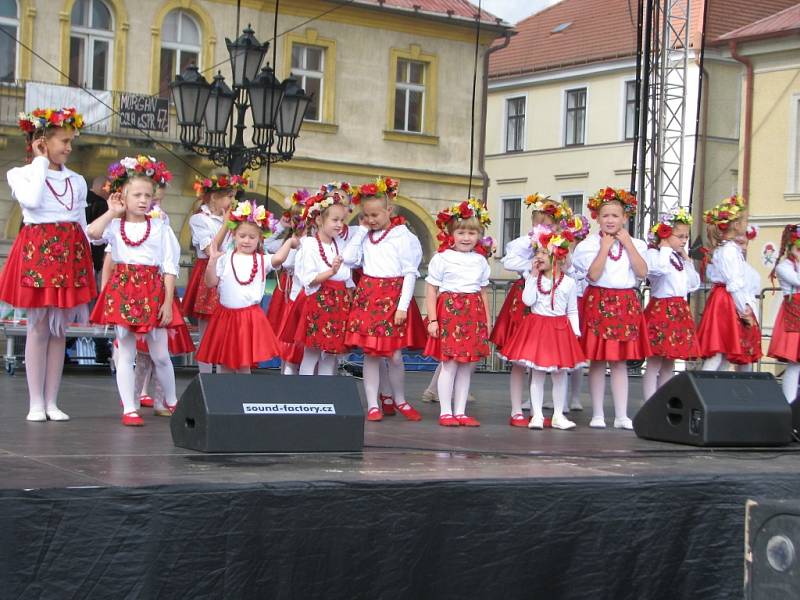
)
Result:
{"points": [[408, 411], [132, 419], [518, 420], [388, 407], [146, 401], [466, 421], [448, 421], [374, 414]]}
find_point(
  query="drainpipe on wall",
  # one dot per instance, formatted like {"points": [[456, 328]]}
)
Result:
{"points": [[748, 118], [484, 102]]}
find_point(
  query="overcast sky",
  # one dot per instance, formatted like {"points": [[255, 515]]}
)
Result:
{"points": [[514, 11]]}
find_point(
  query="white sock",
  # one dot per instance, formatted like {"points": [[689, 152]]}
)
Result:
{"points": [[158, 342], [385, 387], [445, 385], [461, 387], [372, 376], [597, 386], [397, 377], [790, 380], [537, 392], [126, 356], [434, 383], [713, 363], [575, 384], [619, 388], [650, 379], [667, 371], [516, 380], [290, 368], [144, 367], [311, 357], [327, 364], [559, 379], [36, 342]]}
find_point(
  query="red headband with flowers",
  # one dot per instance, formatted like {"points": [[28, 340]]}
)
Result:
{"points": [[43, 118], [382, 185], [609, 194], [119, 172], [248, 211], [218, 183]]}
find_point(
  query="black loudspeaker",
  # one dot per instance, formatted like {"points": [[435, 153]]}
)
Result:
{"points": [[772, 550], [250, 413], [707, 408]]}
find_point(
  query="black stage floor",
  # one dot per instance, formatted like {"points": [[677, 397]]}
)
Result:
{"points": [[94, 509]]}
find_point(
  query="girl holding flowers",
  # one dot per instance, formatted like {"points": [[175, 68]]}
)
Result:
{"points": [[785, 342]]}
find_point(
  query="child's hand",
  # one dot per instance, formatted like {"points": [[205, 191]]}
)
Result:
{"points": [[165, 314], [624, 237], [433, 329], [606, 241], [337, 262], [214, 252], [39, 147], [400, 317], [115, 204]]}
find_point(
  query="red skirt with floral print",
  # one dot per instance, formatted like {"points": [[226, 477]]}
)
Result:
{"points": [[276, 311], [612, 325], [510, 315], [463, 331], [785, 342], [323, 317], [545, 343], [199, 300], [671, 329], [719, 329], [371, 324], [750, 336], [132, 298], [238, 337], [50, 264]]}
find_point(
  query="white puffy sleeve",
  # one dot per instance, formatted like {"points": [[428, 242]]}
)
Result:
{"points": [[486, 272], [80, 191], [109, 234], [518, 255], [202, 234], [730, 264], [584, 255], [436, 271], [657, 260], [267, 258], [692, 276], [787, 274], [27, 183], [410, 253], [351, 255], [530, 292], [171, 251], [304, 266], [222, 262]]}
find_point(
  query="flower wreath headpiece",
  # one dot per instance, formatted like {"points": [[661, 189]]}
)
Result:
{"points": [[216, 183], [726, 212], [538, 203], [666, 224], [248, 211], [576, 226], [382, 185], [328, 195], [42, 118], [609, 194], [460, 211], [119, 172], [296, 198]]}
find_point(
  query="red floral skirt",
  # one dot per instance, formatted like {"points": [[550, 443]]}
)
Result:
{"points": [[323, 317], [613, 327], [785, 342], [545, 344], [238, 337], [719, 329], [199, 300], [371, 323], [279, 301], [671, 329], [510, 315], [463, 331], [132, 298], [50, 264]]}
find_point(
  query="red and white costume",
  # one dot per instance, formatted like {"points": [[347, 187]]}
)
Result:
{"points": [[49, 268], [390, 259], [199, 300], [517, 258], [463, 330], [670, 325], [785, 342], [613, 327], [239, 334]]}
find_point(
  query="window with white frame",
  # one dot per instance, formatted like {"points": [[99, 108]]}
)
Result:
{"points": [[90, 44], [574, 201], [515, 124], [630, 110], [575, 117], [308, 65], [512, 211], [409, 96], [180, 47]]}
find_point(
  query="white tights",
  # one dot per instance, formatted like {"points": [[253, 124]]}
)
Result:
{"points": [[44, 363], [718, 362], [433, 386], [516, 383], [575, 384], [790, 379], [313, 358], [537, 391], [619, 387], [453, 386], [146, 381], [385, 387], [372, 378], [203, 367], [659, 371], [159, 354]]}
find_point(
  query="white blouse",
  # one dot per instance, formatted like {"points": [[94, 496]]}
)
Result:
{"points": [[461, 272], [665, 280], [65, 202], [519, 255], [617, 274], [727, 267], [160, 249], [309, 264], [788, 276], [232, 294], [397, 255], [204, 226], [564, 303]]}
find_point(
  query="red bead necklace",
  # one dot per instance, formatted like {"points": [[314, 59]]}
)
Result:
{"points": [[58, 197], [677, 261], [383, 235], [125, 237], [253, 271], [611, 254], [552, 290], [322, 249]]}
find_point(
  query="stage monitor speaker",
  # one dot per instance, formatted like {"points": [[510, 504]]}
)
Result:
{"points": [[709, 408], [772, 550], [249, 413]]}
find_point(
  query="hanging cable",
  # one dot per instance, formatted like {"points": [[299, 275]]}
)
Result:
{"points": [[474, 86]]}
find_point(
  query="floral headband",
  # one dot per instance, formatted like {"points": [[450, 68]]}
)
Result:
{"points": [[217, 183], [576, 226], [119, 172], [296, 198], [665, 226], [42, 118], [460, 211], [555, 243], [726, 212], [248, 211], [544, 204], [315, 205], [609, 194], [382, 185]]}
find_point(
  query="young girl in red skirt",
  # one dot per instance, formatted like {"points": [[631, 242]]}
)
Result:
{"points": [[729, 314], [613, 329], [750, 332], [785, 342], [216, 194], [239, 335], [672, 276], [457, 306], [384, 318], [139, 298], [517, 258], [318, 316], [546, 341], [49, 268]]}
